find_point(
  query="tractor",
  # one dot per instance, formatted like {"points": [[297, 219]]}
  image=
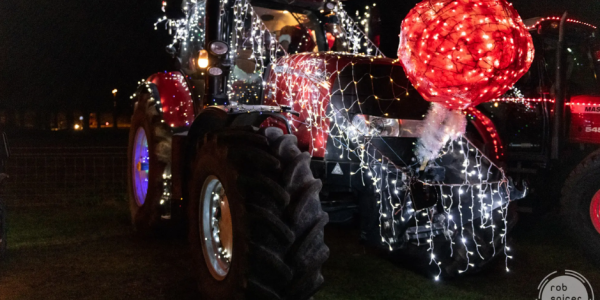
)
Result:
{"points": [[550, 126], [279, 117], [4, 154]]}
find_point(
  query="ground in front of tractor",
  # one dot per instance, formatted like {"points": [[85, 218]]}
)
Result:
{"points": [[90, 251]]}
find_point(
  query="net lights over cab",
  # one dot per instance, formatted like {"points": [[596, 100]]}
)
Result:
{"points": [[466, 52]]}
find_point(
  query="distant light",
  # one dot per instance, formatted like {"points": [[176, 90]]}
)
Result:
{"points": [[76, 126]]}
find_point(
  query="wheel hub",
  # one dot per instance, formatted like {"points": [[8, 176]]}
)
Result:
{"points": [[140, 166], [216, 228], [595, 211]]}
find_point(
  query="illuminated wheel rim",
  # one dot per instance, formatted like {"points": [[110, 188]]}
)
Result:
{"points": [[140, 166], [595, 211], [216, 228]]}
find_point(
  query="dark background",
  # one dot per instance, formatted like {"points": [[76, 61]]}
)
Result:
{"points": [[66, 54]]}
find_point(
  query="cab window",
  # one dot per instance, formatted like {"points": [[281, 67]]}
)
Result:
{"points": [[295, 32]]}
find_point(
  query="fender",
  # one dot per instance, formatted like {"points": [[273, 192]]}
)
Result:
{"points": [[487, 130], [210, 119], [175, 96], [215, 118]]}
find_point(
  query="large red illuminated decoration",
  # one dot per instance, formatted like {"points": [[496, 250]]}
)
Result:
{"points": [[461, 53], [465, 52]]}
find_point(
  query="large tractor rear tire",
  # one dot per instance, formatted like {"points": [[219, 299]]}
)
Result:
{"points": [[581, 206], [148, 161], [255, 219]]}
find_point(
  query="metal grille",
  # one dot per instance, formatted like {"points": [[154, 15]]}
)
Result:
{"points": [[48, 176]]}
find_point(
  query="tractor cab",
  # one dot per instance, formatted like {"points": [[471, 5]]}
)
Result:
{"points": [[581, 58], [524, 116], [247, 38], [550, 125]]}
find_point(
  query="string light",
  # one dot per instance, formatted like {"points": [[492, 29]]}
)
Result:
{"points": [[477, 57], [534, 26]]}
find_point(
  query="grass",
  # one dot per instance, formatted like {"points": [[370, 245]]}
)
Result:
{"points": [[90, 252]]}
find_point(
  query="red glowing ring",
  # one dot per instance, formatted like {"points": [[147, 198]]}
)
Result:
{"points": [[595, 211]]}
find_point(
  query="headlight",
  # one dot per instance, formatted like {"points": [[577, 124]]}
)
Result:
{"points": [[214, 71], [371, 126], [218, 48], [202, 59]]}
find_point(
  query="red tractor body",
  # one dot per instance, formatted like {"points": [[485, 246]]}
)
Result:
{"points": [[585, 119], [176, 101]]}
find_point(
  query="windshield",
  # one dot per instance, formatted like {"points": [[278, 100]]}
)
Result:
{"points": [[581, 63], [345, 35], [262, 35], [582, 69], [295, 32]]}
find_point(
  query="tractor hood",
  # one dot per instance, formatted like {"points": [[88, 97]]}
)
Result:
{"points": [[376, 87], [314, 84], [368, 85]]}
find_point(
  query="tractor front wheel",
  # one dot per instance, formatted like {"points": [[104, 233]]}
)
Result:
{"points": [[255, 219], [581, 205], [147, 165]]}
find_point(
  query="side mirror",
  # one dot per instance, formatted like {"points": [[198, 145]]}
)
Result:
{"points": [[4, 149]]}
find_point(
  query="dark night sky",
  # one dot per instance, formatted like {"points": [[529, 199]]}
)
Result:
{"points": [[68, 52], [65, 52]]}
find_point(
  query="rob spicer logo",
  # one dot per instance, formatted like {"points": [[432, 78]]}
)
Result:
{"points": [[565, 285]]}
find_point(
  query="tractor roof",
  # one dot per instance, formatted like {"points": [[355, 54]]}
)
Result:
{"points": [[549, 25]]}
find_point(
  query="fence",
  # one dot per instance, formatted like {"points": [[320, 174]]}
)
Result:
{"points": [[49, 176]]}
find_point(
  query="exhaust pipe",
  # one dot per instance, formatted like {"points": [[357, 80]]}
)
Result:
{"points": [[559, 105]]}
